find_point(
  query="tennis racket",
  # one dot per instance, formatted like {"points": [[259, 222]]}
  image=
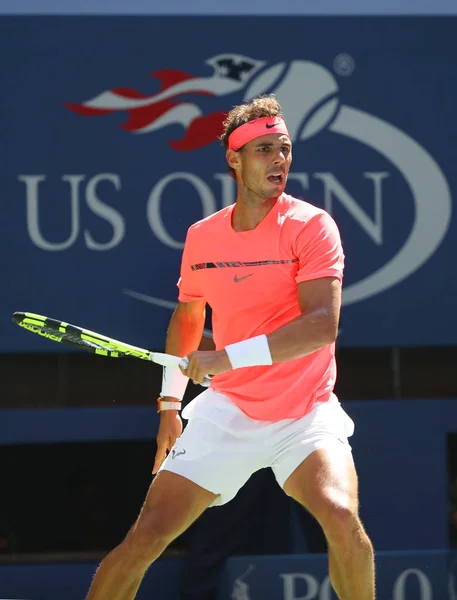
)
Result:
{"points": [[84, 339]]}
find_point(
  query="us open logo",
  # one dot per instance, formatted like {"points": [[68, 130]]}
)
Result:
{"points": [[312, 104]]}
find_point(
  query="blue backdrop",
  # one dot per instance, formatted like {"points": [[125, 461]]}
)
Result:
{"points": [[109, 153], [400, 576], [400, 449]]}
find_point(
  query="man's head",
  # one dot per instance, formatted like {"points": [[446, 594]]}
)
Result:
{"points": [[258, 147]]}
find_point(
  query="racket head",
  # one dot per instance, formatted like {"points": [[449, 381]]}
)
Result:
{"points": [[84, 339], [77, 337]]}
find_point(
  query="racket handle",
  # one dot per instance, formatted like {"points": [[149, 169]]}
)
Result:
{"points": [[184, 363], [166, 360], [174, 362]]}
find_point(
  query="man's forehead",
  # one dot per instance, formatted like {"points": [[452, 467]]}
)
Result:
{"points": [[271, 139]]}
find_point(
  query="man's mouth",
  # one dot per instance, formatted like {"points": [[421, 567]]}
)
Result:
{"points": [[276, 178]]}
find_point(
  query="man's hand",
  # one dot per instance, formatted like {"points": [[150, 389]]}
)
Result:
{"points": [[170, 429], [206, 363]]}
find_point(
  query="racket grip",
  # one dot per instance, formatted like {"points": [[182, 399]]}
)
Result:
{"points": [[184, 363]]}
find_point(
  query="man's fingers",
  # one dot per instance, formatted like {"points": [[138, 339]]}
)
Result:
{"points": [[171, 443], [160, 456], [195, 374], [193, 371]]}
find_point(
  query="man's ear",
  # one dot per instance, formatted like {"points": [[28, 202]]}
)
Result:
{"points": [[233, 159]]}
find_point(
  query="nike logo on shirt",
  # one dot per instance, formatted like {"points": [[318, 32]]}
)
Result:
{"points": [[237, 279]]}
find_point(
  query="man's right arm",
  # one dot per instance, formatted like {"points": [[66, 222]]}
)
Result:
{"points": [[186, 328], [184, 335]]}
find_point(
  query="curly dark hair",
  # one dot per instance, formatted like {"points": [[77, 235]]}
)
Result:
{"points": [[263, 106]]}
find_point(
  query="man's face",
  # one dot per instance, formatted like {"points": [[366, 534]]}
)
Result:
{"points": [[263, 164]]}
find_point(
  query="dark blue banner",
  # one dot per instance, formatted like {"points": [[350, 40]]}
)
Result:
{"points": [[400, 576], [109, 153]]}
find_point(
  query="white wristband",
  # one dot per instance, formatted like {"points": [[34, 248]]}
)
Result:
{"points": [[164, 405], [250, 353], [174, 383]]}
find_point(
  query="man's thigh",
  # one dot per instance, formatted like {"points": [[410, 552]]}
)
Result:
{"points": [[327, 426], [326, 478], [215, 459], [172, 504]]}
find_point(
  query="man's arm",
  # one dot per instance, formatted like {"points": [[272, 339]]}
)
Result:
{"points": [[186, 328], [314, 328], [184, 335]]}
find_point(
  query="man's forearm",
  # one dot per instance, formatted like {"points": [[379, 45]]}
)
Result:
{"points": [[183, 336], [303, 335], [184, 333]]}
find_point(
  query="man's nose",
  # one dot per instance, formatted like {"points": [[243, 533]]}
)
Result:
{"points": [[279, 157]]}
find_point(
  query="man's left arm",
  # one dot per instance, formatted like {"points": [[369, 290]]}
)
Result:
{"points": [[315, 327], [319, 292]]}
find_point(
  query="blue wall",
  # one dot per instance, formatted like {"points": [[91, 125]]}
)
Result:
{"points": [[399, 448], [111, 153], [100, 181], [400, 576]]}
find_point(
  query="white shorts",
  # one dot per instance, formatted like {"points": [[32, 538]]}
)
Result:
{"points": [[221, 447]]}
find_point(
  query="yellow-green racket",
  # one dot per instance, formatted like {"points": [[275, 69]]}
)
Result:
{"points": [[84, 339]]}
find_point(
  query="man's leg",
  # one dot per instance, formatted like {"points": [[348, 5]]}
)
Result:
{"points": [[171, 506], [326, 484], [237, 527]]}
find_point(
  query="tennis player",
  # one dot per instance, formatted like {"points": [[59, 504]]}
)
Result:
{"points": [[271, 267]]}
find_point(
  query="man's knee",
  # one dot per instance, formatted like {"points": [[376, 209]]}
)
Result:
{"points": [[341, 522]]}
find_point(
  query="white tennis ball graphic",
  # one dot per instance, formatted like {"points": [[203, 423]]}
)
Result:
{"points": [[265, 82], [307, 93]]}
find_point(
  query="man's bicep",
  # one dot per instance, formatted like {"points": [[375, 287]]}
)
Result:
{"points": [[193, 310], [322, 295], [319, 250]]}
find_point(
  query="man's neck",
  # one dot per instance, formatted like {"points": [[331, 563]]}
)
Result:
{"points": [[248, 213]]}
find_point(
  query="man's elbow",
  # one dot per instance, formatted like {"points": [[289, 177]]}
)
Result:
{"points": [[326, 326], [330, 333]]}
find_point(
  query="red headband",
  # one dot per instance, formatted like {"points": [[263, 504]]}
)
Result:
{"points": [[254, 129]]}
